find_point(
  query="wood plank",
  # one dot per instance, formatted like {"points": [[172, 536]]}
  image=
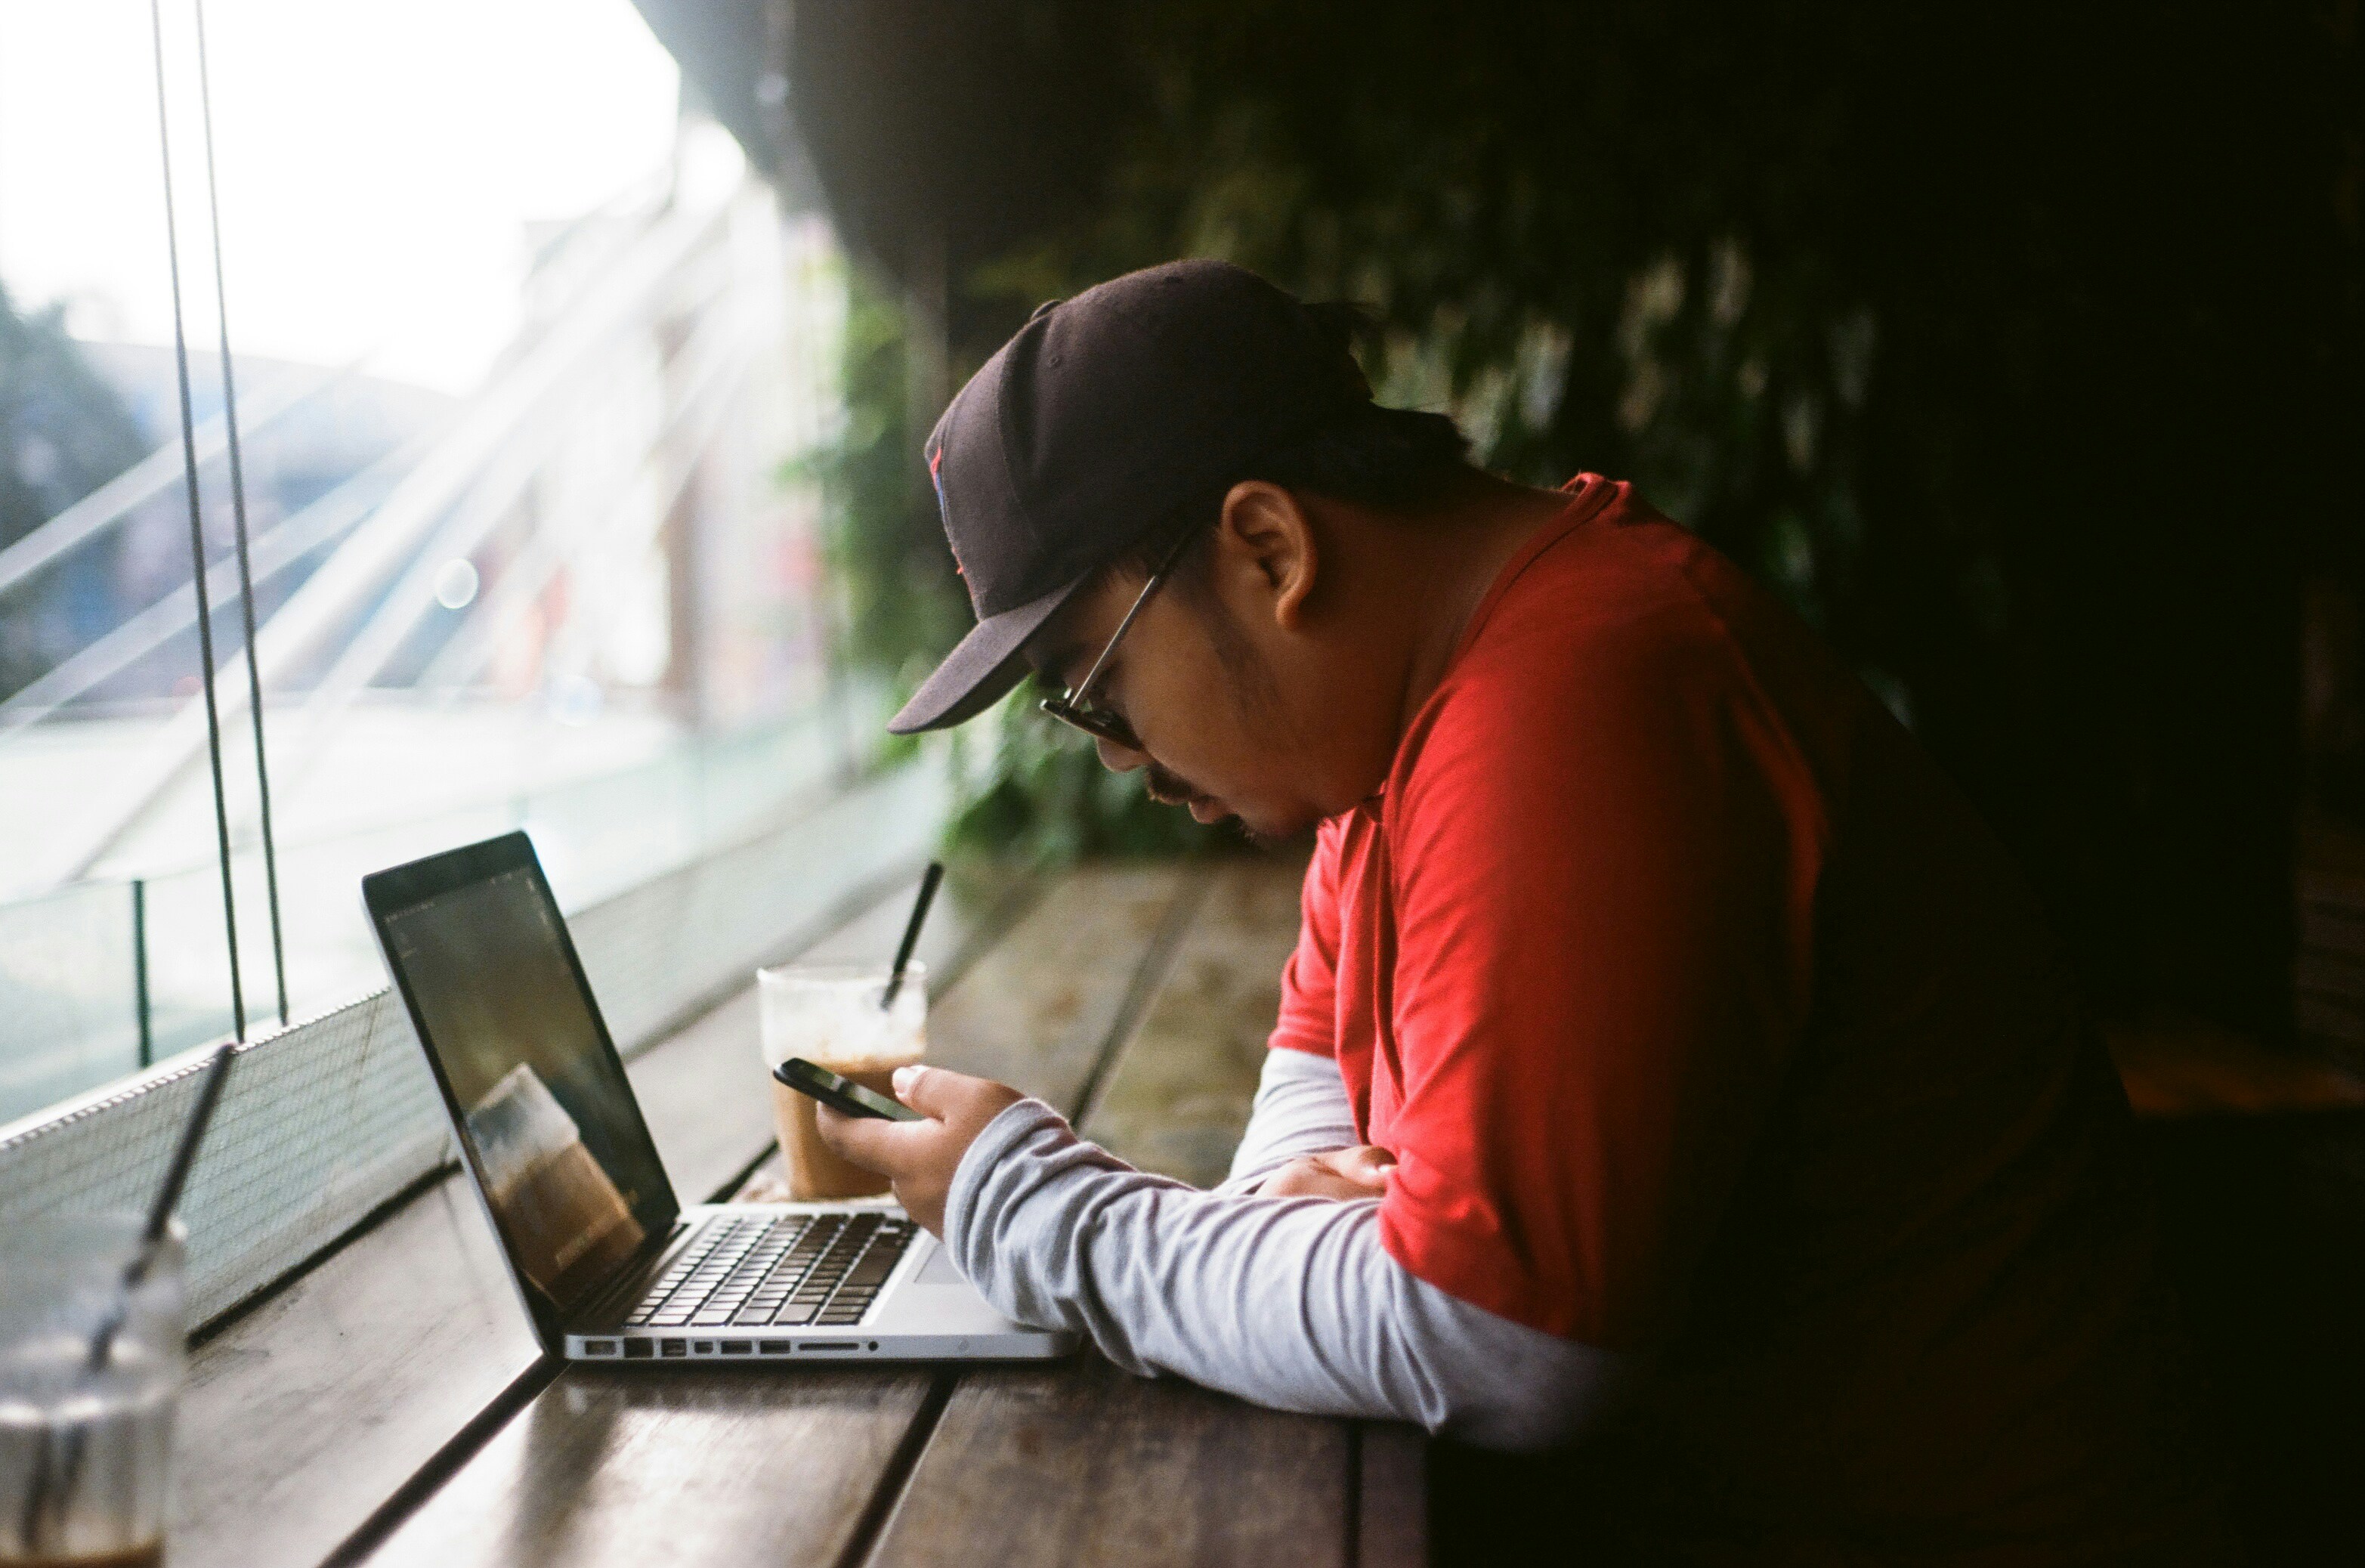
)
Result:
{"points": [[561, 1481], [305, 1414], [2188, 1067], [1391, 1496], [1180, 1091], [639, 1469], [1039, 1009], [1082, 1464]]}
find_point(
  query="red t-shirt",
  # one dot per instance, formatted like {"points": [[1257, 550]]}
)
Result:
{"points": [[1705, 1020]]}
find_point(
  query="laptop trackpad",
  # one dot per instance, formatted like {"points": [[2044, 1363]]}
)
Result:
{"points": [[938, 1270]]}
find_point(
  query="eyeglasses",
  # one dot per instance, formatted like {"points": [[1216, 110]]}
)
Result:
{"points": [[1073, 706]]}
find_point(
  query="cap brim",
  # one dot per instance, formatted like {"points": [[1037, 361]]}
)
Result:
{"points": [[981, 670]]}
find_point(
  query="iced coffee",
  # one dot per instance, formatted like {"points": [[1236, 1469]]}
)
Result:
{"points": [[831, 1016]]}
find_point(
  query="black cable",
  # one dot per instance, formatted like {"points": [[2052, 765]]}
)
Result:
{"points": [[238, 514], [197, 533]]}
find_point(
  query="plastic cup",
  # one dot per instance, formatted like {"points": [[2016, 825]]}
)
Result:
{"points": [[829, 1014], [85, 1454]]}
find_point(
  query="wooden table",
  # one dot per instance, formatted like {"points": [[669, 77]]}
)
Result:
{"points": [[1138, 1000]]}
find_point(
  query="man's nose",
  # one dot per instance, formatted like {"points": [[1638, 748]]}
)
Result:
{"points": [[1117, 759]]}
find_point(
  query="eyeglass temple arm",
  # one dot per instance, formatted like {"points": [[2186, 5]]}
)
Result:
{"points": [[1118, 636]]}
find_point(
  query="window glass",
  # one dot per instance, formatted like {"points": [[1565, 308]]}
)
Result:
{"points": [[521, 351]]}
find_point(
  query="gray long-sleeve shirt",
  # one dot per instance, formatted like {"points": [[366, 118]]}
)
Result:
{"points": [[1287, 1302]]}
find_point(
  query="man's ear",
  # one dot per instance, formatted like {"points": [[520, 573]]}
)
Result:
{"points": [[1265, 550]]}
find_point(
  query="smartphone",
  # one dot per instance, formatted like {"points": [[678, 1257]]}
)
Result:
{"points": [[842, 1094]]}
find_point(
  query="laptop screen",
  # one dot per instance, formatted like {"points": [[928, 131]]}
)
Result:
{"points": [[556, 1140]]}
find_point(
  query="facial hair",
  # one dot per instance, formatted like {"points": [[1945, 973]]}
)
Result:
{"points": [[1169, 788]]}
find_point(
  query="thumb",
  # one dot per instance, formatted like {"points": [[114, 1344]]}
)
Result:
{"points": [[931, 1091], [1370, 1164]]}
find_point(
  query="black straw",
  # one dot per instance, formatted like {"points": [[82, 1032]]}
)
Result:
{"points": [[177, 1175], [935, 874], [168, 1198]]}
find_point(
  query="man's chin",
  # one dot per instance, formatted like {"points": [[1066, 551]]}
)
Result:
{"points": [[1257, 828], [1268, 831]]}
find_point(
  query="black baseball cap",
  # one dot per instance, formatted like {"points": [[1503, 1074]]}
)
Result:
{"points": [[1095, 427]]}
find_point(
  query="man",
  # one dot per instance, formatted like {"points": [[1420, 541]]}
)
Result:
{"points": [[1671, 1070]]}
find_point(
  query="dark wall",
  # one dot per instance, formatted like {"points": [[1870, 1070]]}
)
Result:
{"points": [[2114, 253]]}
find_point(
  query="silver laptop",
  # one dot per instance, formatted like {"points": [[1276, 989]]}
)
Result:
{"points": [[608, 1263]]}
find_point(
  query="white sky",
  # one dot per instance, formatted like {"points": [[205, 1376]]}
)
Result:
{"points": [[379, 162]]}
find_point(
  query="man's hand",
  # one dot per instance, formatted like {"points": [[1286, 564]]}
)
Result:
{"points": [[920, 1157], [1359, 1172]]}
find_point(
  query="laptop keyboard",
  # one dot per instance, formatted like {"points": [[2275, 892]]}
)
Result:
{"points": [[785, 1269]]}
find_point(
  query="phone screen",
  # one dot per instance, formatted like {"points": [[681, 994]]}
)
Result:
{"points": [[840, 1093]]}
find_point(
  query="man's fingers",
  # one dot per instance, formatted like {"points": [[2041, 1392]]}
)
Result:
{"points": [[920, 1157], [868, 1141], [932, 1091], [1360, 1173]]}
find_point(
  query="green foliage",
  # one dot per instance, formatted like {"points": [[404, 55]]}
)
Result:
{"points": [[1029, 786], [1579, 286], [2024, 372], [903, 602], [1575, 295], [63, 432], [1570, 296], [1035, 789]]}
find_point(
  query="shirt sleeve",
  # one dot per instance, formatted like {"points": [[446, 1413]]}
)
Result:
{"points": [[1601, 966], [1301, 1108], [1291, 1303]]}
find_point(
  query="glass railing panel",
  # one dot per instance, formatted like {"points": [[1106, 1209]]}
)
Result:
{"points": [[69, 995], [77, 968]]}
